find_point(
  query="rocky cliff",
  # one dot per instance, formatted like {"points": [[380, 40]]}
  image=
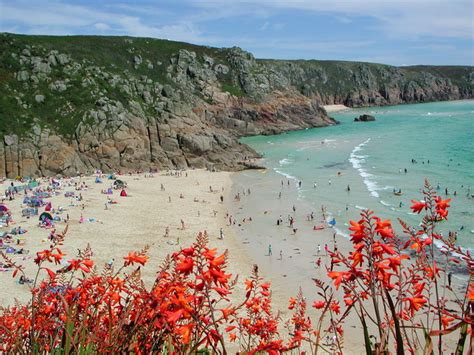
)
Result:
{"points": [[79, 103]]}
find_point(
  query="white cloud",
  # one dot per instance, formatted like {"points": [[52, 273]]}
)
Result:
{"points": [[101, 26], [440, 18], [46, 17]]}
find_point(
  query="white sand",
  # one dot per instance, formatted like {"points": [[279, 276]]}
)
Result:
{"points": [[335, 108], [137, 220]]}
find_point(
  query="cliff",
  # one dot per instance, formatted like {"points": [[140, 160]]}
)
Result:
{"points": [[80, 103]]}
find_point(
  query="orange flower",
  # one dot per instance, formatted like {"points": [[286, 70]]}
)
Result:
{"points": [[186, 266], [218, 261], [185, 332], [134, 257], [470, 294], [335, 307], [226, 312], [338, 277], [174, 316], [445, 320], [319, 304], [359, 231], [58, 256], [442, 207], [415, 303], [418, 206], [51, 273]]}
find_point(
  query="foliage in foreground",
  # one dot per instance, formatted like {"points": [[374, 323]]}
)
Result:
{"points": [[404, 303]]}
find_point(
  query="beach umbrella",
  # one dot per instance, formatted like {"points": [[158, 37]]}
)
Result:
{"points": [[45, 215]]}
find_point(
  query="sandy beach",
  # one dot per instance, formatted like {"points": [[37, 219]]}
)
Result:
{"points": [[135, 221], [253, 201], [335, 108]]}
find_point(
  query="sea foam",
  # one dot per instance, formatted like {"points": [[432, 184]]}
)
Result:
{"points": [[357, 160]]}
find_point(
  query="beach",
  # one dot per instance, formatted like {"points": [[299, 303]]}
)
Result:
{"points": [[288, 257], [335, 108], [194, 196], [137, 220]]}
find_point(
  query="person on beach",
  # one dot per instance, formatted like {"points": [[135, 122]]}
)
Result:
{"points": [[318, 263], [299, 184], [269, 249], [329, 181], [182, 225], [294, 209], [315, 185], [319, 249], [348, 188], [279, 195], [221, 234], [281, 254], [449, 278], [222, 198], [167, 232]]}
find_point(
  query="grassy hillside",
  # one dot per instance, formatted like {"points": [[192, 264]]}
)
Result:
{"points": [[36, 91]]}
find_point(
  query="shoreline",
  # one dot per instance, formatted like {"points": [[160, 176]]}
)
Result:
{"points": [[297, 267], [335, 108]]}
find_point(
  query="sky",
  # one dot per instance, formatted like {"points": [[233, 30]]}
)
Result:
{"points": [[403, 32]]}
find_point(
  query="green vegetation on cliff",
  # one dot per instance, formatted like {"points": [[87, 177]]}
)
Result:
{"points": [[353, 83], [74, 103]]}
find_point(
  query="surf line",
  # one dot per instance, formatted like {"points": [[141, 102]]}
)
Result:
{"points": [[357, 160]]}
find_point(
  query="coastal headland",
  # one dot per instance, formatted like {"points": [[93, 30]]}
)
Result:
{"points": [[79, 103]]}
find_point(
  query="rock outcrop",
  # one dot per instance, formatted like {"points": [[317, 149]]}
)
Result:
{"points": [[71, 104], [364, 118]]}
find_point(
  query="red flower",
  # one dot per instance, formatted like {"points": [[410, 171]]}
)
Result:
{"points": [[359, 231], [335, 307], [186, 266], [415, 303], [338, 277], [319, 304], [51, 273], [134, 257], [418, 206]]}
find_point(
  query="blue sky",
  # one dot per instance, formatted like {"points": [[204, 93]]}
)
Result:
{"points": [[404, 32]]}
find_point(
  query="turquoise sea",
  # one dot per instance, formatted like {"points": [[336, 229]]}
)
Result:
{"points": [[370, 158]]}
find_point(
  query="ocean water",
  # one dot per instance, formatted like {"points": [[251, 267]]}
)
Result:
{"points": [[371, 158]]}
